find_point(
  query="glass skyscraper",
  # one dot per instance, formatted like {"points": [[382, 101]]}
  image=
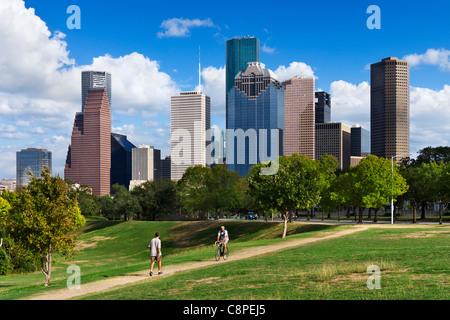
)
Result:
{"points": [[323, 107], [255, 118], [34, 160], [360, 141], [239, 52]]}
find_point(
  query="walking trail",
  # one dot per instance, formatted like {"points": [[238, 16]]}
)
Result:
{"points": [[114, 282]]}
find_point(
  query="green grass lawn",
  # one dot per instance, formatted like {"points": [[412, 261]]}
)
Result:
{"points": [[414, 264], [108, 248]]}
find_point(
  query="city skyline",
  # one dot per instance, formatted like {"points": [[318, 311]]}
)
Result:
{"points": [[37, 110]]}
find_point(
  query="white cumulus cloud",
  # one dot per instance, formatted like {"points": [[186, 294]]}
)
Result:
{"points": [[294, 69], [437, 57], [180, 27]]}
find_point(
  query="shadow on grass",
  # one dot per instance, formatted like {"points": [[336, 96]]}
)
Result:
{"points": [[97, 225], [201, 233]]}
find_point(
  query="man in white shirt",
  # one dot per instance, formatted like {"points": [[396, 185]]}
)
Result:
{"points": [[155, 253], [222, 236]]}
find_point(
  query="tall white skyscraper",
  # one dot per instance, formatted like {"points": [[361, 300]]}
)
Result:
{"points": [[190, 121], [93, 80]]}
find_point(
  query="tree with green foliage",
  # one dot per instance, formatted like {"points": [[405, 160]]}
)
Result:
{"points": [[41, 219], [193, 190], [432, 154], [223, 189], [126, 205], [438, 184], [296, 185], [157, 198], [418, 190], [106, 206], [372, 183]]}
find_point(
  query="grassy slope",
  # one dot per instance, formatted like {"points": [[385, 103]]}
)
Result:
{"points": [[413, 262], [107, 249]]}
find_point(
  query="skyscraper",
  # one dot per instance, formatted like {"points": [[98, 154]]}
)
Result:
{"points": [[146, 165], [299, 117], [389, 107], [255, 118], [334, 138], [93, 80], [165, 168], [89, 155], [33, 160], [239, 52], [121, 150], [360, 141], [323, 107], [190, 116]]}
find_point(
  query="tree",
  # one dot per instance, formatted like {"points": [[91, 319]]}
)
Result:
{"points": [[438, 183], [41, 219], [223, 188], [372, 184], [297, 184], [430, 154], [4, 209], [418, 187], [126, 204], [193, 189]]}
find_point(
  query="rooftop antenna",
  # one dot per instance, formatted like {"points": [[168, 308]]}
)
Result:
{"points": [[199, 72]]}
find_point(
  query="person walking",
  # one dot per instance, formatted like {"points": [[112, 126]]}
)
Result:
{"points": [[155, 253]]}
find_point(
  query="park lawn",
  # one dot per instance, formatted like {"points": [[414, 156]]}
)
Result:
{"points": [[414, 264], [111, 248]]}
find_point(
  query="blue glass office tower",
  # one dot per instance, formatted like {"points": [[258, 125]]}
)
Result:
{"points": [[360, 144], [34, 160], [239, 52], [255, 118], [121, 160]]}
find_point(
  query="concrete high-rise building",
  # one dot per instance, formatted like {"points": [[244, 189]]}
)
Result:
{"points": [[255, 118], [190, 121], [10, 184], [121, 150], [94, 80], [89, 155], [334, 138], [323, 107], [239, 52], [360, 141], [146, 165], [389, 108], [31, 160], [299, 116]]}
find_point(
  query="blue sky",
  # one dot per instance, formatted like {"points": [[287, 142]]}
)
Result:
{"points": [[325, 39]]}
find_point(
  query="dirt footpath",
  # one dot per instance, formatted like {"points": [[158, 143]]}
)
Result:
{"points": [[113, 282]]}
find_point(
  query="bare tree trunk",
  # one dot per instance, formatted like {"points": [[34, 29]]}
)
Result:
{"points": [[414, 214], [285, 217], [46, 267]]}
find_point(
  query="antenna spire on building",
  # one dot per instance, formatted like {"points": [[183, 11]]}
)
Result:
{"points": [[199, 72]]}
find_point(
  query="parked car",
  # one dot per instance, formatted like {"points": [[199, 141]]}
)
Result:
{"points": [[251, 216]]}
